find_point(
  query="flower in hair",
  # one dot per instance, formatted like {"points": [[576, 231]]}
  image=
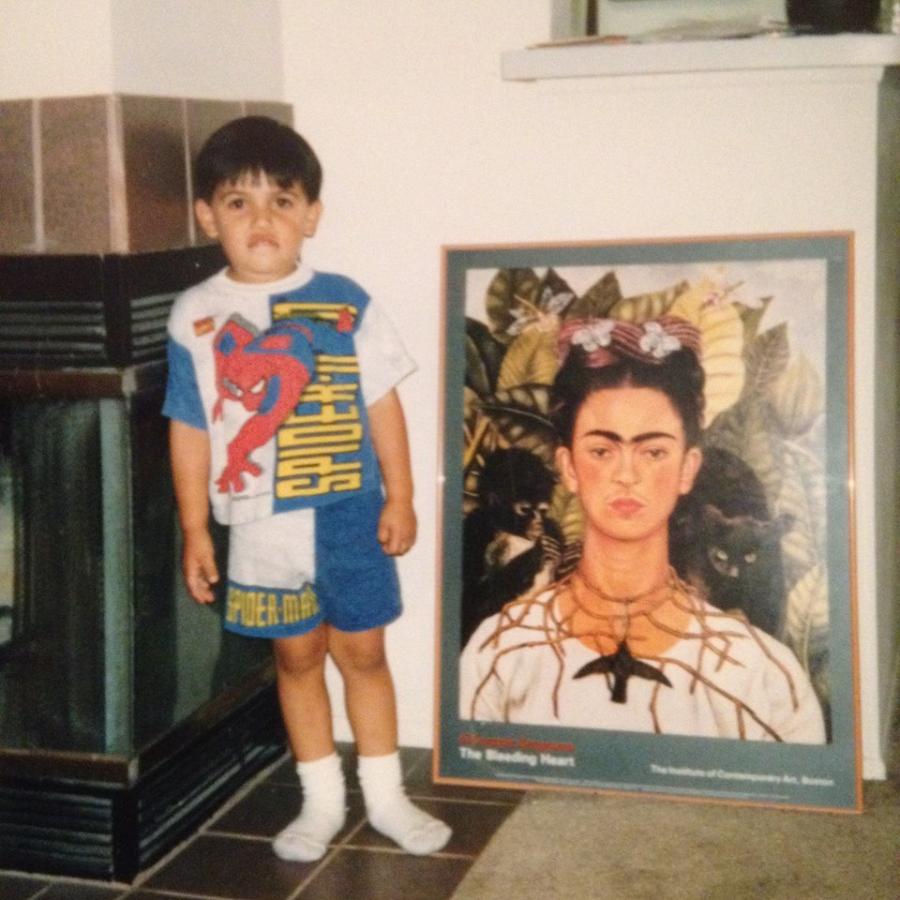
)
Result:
{"points": [[594, 335], [657, 342]]}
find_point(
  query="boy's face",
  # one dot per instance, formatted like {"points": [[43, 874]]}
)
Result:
{"points": [[260, 225]]}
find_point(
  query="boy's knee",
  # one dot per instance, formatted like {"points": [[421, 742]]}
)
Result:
{"points": [[366, 662], [301, 654], [359, 656]]}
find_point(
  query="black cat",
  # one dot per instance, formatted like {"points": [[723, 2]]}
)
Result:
{"points": [[724, 541]]}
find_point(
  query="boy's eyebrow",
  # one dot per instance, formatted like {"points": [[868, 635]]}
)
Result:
{"points": [[227, 189], [637, 439], [233, 188]]}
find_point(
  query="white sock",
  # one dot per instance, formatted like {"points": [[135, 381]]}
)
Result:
{"points": [[390, 810], [322, 815]]}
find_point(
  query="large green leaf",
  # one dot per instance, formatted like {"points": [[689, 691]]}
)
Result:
{"points": [[471, 411], [704, 304], [802, 496], [554, 294], [806, 620], [751, 317], [479, 434], [531, 358], [520, 417], [478, 378], [767, 359], [643, 307], [797, 398], [508, 288], [484, 356], [598, 300], [744, 430]]}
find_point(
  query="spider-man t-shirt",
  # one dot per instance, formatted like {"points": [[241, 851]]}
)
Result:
{"points": [[279, 375]]}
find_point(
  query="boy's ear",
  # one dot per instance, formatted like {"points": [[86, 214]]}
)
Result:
{"points": [[203, 212], [313, 215]]}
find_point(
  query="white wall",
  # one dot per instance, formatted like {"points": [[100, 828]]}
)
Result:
{"points": [[210, 49], [425, 145], [213, 49], [53, 48]]}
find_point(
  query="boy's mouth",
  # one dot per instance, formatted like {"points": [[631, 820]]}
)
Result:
{"points": [[262, 240]]}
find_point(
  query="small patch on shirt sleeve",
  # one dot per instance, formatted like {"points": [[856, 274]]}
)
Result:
{"points": [[204, 326]]}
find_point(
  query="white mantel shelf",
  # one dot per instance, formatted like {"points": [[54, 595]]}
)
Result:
{"points": [[585, 60]]}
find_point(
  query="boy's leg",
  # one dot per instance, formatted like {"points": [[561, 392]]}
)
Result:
{"points": [[303, 694], [368, 688], [306, 711], [372, 711]]}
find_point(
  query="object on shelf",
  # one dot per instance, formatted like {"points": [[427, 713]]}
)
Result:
{"points": [[712, 30], [831, 16]]}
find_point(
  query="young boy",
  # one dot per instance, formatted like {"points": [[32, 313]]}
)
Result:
{"points": [[283, 413]]}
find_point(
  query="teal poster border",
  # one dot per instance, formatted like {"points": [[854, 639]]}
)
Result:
{"points": [[823, 777]]}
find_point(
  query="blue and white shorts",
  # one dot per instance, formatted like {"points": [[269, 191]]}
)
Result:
{"points": [[290, 572]]}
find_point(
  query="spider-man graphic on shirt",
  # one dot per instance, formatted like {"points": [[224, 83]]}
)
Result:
{"points": [[266, 373]]}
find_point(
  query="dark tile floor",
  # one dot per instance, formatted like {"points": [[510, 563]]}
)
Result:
{"points": [[230, 858]]}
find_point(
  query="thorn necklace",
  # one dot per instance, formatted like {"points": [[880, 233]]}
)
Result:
{"points": [[622, 665]]}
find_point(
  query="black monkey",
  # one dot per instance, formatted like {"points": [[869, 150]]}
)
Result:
{"points": [[510, 542]]}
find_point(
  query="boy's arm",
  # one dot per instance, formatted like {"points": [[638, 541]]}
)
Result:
{"points": [[397, 526], [190, 455]]}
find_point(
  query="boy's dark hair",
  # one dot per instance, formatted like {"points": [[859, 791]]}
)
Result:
{"points": [[261, 146]]}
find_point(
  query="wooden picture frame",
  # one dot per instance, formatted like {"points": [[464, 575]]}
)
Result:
{"points": [[775, 318]]}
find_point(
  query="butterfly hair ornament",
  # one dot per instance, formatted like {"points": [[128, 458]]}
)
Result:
{"points": [[607, 341]]}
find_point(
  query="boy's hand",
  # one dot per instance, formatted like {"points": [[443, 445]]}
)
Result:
{"points": [[198, 565], [397, 527]]}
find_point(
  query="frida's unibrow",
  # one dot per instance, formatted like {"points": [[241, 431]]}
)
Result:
{"points": [[637, 439]]}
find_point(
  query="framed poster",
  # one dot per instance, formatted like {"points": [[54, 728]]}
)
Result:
{"points": [[647, 526]]}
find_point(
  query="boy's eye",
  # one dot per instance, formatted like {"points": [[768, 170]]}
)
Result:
{"points": [[285, 202], [235, 203]]}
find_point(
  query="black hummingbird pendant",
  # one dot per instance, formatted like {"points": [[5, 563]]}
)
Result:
{"points": [[622, 666]]}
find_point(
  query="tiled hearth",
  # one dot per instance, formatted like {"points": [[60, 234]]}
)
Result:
{"points": [[230, 857]]}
